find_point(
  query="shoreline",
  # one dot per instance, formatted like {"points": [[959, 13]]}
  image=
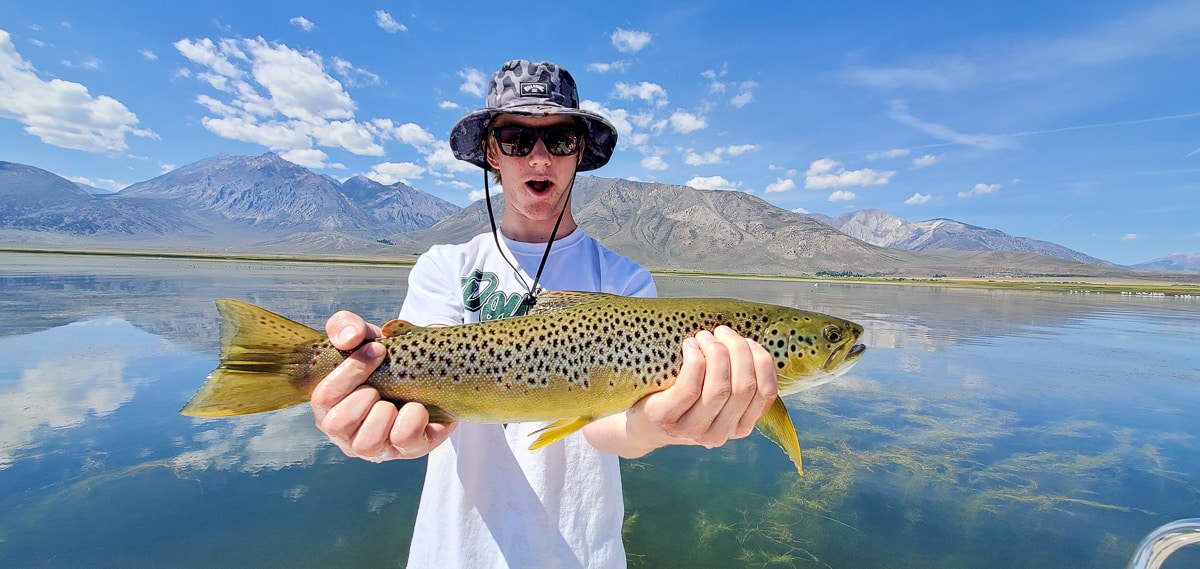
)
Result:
{"points": [[1078, 285]]}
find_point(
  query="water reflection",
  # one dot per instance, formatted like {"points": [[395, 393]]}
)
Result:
{"points": [[983, 429]]}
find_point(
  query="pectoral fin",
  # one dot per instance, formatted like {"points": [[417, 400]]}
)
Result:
{"points": [[776, 424], [557, 430]]}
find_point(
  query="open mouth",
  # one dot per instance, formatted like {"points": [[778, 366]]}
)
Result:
{"points": [[538, 186], [843, 357]]}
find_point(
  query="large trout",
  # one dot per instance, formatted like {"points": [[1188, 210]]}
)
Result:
{"points": [[576, 357]]}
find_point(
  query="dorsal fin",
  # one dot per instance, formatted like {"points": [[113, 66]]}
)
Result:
{"points": [[399, 328], [551, 301]]}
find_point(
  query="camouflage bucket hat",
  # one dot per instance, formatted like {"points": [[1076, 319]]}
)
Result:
{"points": [[534, 90]]}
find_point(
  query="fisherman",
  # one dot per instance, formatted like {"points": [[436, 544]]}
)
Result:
{"points": [[488, 501]]}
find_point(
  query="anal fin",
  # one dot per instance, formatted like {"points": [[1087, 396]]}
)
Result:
{"points": [[558, 430]]}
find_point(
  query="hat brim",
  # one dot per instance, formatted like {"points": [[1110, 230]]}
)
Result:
{"points": [[600, 137]]}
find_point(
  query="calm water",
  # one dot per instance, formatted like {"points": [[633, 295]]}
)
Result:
{"points": [[983, 429]]}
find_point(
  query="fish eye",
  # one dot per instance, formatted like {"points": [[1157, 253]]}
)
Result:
{"points": [[833, 334]]}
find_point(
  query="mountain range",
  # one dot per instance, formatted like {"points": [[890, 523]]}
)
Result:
{"points": [[264, 204]]}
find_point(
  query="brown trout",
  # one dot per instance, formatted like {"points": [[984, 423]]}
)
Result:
{"points": [[576, 357]]}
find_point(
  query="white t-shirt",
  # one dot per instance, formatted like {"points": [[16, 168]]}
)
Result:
{"points": [[488, 501]]}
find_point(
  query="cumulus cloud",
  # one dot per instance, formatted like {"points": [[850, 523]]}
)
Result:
{"points": [[650, 92], [712, 183], [280, 97], [781, 185], [388, 23], [979, 190], [917, 199], [388, 173], [842, 196], [619, 66], [351, 75], [629, 41], [654, 163], [684, 122], [827, 173], [716, 155], [745, 94], [62, 113], [474, 81], [1129, 237], [302, 23], [924, 161]]}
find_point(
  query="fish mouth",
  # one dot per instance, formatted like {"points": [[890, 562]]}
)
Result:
{"points": [[843, 357]]}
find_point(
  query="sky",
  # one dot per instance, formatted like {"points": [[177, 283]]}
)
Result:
{"points": [[1071, 122]]}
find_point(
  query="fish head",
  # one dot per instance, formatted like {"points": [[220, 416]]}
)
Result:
{"points": [[810, 348]]}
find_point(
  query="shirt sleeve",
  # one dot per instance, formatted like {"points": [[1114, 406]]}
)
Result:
{"points": [[429, 300]]}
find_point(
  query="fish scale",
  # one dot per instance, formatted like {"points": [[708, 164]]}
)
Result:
{"points": [[576, 357]]}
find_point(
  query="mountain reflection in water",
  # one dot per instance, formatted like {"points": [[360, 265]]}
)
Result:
{"points": [[984, 428]]}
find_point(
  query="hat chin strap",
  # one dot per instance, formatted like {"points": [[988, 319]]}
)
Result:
{"points": [[530, 298]]}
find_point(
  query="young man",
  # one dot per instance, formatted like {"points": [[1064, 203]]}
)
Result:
{"points": [[487, 500]]}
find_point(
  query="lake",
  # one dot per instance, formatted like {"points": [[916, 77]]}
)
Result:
{"points": [[983, 429]]}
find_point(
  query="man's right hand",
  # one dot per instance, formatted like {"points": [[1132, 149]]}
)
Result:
{"points": [[354, 416]]}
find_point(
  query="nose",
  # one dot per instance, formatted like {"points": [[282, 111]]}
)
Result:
{"points": [[540, 155]]}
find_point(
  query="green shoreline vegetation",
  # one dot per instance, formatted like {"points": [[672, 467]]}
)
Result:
{"points": [[1083, 285]]}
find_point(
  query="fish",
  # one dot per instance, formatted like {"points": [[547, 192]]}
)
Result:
{"points": [[573, 358]]}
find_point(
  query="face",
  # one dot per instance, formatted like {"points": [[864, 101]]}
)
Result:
{"points": [[535, 184]]}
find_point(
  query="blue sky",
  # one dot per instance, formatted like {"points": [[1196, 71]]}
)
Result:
{"points": [[1072, 122]]}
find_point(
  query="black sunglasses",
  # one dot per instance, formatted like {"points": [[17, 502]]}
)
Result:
{"points": [[561, 140]]}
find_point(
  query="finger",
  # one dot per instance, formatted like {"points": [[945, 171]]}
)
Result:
{"points": [[696, 422], [346, 330], [670, 405], [346, 418], [766, 392], [371, 441], [345, 378], [413, 435], [743, 385]]}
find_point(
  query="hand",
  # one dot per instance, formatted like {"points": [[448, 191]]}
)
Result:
{"points": [[725, 384], [354, 416]]}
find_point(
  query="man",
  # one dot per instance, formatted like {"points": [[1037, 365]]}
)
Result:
{"points": [[488, 501]]}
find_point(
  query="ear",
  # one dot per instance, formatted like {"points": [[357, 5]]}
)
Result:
{"points": [[487, 154]]}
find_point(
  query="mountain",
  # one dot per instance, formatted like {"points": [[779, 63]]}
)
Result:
{"points": [[1172, 262], [34, 200], [266, 193], [879, 228], [399, 205], [677, 227]]}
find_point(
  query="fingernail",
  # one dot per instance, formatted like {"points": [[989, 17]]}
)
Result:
{"points": [[373, 349], [346, 335], [691, 343]]}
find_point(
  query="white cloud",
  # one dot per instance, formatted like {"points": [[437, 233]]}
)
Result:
{"points": [[790, 172], [684, 122], [618, 117], [496, 189], [353, 76], [388, 23], [449, 105], [745, 94], [281, 98], [828, 173], [650, 92], [302, 23], [149, 55], [888, 154], [900, 114], [441, 161], [842, 196], [654, 163], [917, 199], [1130, 237], [629, 41], [692, 158], [712, 183], [740, 149], [801, 211], [474, 81], [62, 113], [979, 190], [619, 66], [780, 185], [409, 133], [388, 173], [924, 161]]}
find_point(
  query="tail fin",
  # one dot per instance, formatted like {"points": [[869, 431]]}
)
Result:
{"points": [[262, 366], [776, 424]]}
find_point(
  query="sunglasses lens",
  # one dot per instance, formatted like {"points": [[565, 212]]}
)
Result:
{"points": [[519, 140]]}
